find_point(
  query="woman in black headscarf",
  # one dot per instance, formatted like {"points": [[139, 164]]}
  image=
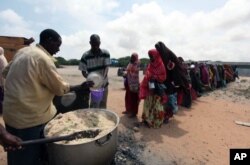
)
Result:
{"points": [[177, 80]]}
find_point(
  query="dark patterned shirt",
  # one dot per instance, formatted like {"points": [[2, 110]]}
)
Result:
{"points": [[96, 63]]}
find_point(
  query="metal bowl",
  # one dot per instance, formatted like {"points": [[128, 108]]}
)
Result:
{"points": [[96, 78]]}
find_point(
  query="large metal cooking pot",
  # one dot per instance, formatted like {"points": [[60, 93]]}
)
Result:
{"points": [[100, 151]]}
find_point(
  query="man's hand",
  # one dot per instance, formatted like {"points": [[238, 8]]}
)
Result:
{"points": [[85, 74], [9, 141], [84, 86], [87, 84]]}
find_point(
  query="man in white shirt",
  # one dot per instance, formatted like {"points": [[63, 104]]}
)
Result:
{"points": [[32, 82]]}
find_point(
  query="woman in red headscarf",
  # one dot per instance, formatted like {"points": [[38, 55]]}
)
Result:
{"points": [[132, 86], [153, 111]]}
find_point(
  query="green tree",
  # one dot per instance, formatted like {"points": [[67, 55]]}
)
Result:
{"points": [[73, 62], [61, 61], [144, 61], [123, 62]]}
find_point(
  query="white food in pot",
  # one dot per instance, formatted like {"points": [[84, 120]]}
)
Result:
{"points": [[75, 121]]}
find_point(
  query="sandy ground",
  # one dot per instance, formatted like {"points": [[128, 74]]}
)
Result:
{"points": [[200, 135]]}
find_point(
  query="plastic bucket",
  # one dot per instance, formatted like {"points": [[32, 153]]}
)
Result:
{"points": [[96, 95]]}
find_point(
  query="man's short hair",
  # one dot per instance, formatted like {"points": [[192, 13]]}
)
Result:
{"points": [[95, 38], [49, 34]]}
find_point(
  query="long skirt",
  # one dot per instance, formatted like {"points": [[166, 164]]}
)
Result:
{"points": [[170, 107], [153, 111], [184, 98], [131, 101]]}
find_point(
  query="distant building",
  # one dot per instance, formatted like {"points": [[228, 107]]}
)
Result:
{"points": [[12, 44], [114, 62]]}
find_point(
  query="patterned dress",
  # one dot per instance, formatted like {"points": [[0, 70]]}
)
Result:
{"points": [[153, 110]]}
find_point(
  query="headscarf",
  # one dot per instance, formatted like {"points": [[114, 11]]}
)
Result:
{"points": [[155, 70], [176, 74], [204, 74], [3, 64], [1, 51], [133, 70]]}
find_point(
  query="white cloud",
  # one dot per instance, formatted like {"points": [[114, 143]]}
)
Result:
{"points": [[218, 34], [74, 45], [13, 24], [203, 35], [91, 14], [11, 17]]}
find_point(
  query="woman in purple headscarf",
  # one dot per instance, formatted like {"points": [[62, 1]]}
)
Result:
{"points": [[132, 86]]}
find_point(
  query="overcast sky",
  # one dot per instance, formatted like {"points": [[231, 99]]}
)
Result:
{"points": [[193, 29]]}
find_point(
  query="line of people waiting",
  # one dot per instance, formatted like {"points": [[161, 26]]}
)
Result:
{"points": [[170, 82]]}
